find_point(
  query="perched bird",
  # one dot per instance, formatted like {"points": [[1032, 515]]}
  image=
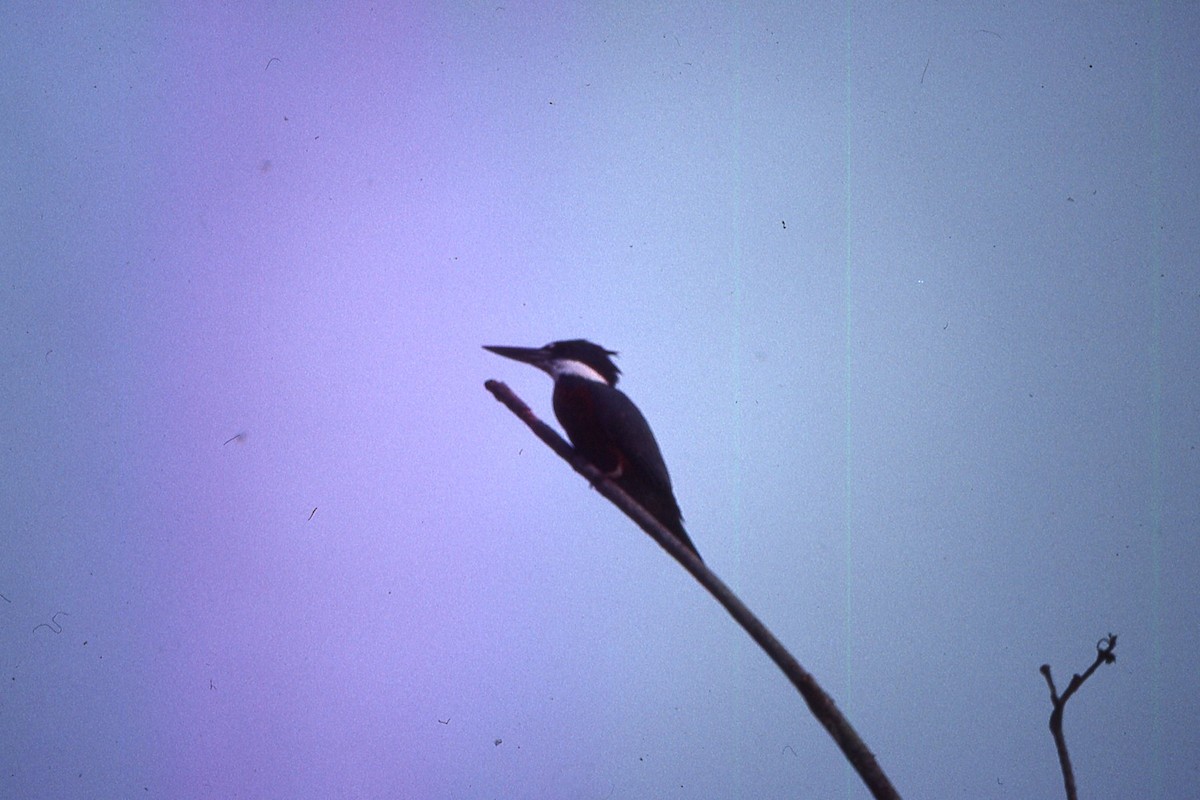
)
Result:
{"points": [[604, 425]]}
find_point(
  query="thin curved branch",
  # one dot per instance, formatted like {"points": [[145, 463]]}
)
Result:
{"points": [[821, 704], [1104, 655]]}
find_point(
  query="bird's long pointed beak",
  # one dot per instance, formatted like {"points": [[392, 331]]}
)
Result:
{"points": [[526, 355]]}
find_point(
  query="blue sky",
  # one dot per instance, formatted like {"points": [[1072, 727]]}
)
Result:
{"points": [[910, 297]]}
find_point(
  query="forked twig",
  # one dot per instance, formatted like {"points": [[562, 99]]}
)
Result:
{"points": [[1104, 655]]}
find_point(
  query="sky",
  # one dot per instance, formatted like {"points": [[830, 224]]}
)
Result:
{"points": [[909, 295]]}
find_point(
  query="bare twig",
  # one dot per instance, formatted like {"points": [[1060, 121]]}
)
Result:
{"points": [[1104, 655], [821, 704]]}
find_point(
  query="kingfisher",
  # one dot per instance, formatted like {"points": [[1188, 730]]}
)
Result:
{"points": [[604, 425]]}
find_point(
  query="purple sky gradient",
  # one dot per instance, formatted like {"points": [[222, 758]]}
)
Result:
{"points": [[909, 297]]}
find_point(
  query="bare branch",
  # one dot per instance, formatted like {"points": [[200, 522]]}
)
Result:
{"points": [[1104, 655], [820, 703]]}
